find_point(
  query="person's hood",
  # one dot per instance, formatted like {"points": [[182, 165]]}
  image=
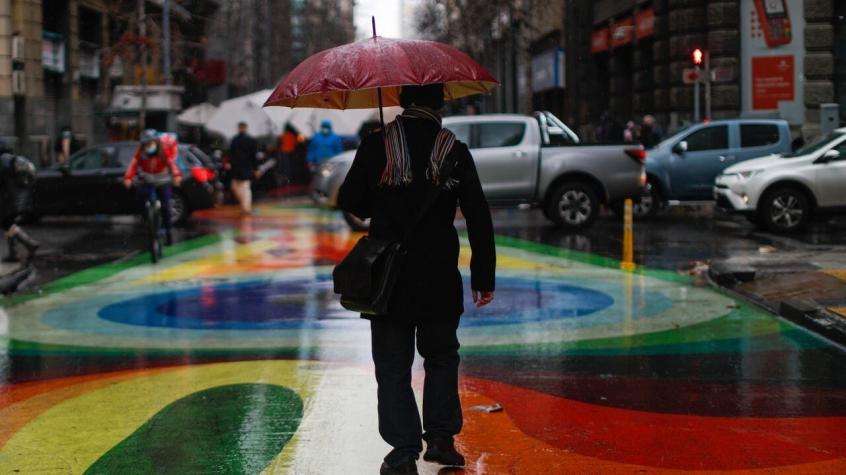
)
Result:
{"points": [[768, 162], [326, 124]]}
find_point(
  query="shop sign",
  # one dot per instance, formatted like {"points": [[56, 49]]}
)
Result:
{"points": [[622, 32], [548, 70], [772, 81], [772, 50], [599, 41], [53, 52], [645, 23]]}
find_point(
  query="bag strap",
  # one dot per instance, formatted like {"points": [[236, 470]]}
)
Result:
{"points": [[429, 201]]}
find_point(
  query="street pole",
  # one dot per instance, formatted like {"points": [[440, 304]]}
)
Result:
{"points": [[142, 36], [696, 96], [166, 41], [707, 85]]}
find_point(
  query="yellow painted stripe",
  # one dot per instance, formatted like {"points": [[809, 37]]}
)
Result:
{"points": [[73, 434]]}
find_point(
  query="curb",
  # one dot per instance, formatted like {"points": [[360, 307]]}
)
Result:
{"points": [[806, 313]]}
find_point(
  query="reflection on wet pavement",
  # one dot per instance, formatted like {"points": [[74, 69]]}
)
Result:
{"points": [[236, 343]]}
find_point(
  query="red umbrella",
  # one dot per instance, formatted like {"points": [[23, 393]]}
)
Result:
{"points": [[369, 73]]}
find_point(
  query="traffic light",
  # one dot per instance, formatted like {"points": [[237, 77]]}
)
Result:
{"points": [[697, 56]]}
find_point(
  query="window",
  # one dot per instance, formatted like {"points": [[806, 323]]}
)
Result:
{"points": [[500, 134], [125, 153], [842, 149], [709, 138], [90, 159], [461, 131], [758, 135]]}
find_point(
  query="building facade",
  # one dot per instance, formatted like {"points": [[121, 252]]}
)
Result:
{"points": [[628, 58], [60, 61]]}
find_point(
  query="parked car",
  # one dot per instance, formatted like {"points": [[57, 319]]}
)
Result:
{"points": [[90, 182], [534, 160], [783, 192], [683, 167]]}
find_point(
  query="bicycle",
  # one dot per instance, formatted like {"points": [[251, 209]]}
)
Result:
{"points": [[153, 212]]}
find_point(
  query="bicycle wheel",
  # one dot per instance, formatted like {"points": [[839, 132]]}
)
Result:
{"points": [[153, 231]]}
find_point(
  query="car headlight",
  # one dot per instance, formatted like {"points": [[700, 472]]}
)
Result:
{"points": [[326, 169], [738, 176]]}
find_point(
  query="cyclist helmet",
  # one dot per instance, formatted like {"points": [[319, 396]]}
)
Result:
{"points": [[150, 142]]}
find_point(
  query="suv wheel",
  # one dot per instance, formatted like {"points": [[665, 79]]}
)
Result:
{"points": [[573, 205], [785, 210], [647, 205], [356, 223]]}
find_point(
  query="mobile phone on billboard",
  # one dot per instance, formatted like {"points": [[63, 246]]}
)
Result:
{"points": [[775, 21]]}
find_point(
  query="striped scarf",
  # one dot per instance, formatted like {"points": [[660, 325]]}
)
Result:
{"points": [[398, 167]]}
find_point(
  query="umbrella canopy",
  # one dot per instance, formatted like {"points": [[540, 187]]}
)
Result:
{"points": [[348, 76], [344, 122], [248, 108], [197, 115]]}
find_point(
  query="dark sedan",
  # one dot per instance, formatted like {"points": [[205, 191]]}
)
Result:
{"points": [[90, 182]]}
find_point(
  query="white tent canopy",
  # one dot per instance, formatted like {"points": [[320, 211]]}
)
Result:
{"points": [[260, 122], [271, 120], [197, 115]]}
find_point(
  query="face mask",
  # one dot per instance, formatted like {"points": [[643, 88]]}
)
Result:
{"points": [[151, 149]]}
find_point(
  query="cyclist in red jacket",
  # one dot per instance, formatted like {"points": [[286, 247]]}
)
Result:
{"points": [[156, 155]]}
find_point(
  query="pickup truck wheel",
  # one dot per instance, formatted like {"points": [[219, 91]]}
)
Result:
{"points": [[356, 223], [573, 205], [785, 210]]}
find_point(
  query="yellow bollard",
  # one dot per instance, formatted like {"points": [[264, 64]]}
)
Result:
{"points": [[628, 264]]}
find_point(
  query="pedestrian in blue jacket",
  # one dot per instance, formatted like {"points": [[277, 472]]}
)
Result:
{"points": [[324, 145]]}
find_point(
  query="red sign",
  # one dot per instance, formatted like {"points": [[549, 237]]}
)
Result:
{"points": [[622, 32], [645, 23], [772, 81], [690, 75], [599, 41]]}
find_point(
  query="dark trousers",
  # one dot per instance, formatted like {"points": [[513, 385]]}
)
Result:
{"points": [[163, 193], [393, 355]]}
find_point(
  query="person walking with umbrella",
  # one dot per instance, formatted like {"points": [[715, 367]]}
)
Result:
{"points": [[411, 164]]}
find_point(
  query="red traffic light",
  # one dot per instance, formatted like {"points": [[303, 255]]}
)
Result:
{"points": [[698, 56]]}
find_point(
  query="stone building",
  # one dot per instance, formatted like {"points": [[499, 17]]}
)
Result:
{"points": [[768, 59], [60, 61]]}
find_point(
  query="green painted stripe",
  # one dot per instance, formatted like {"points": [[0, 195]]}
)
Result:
{"points": [[238, 428], [587, 258], [21, 347], [103, 271]]}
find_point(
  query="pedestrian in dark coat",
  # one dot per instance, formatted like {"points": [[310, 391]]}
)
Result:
{"points": [[243, 151], [428, 299]]}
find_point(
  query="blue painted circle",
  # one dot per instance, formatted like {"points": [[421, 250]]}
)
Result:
{"points": [[301, 303]]}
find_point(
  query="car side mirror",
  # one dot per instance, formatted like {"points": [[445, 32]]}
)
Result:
{"points": [[680, 147], [829, 156]]}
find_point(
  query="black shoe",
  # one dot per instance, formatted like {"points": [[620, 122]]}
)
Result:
{"points": [[443, 451], [409, 467]]}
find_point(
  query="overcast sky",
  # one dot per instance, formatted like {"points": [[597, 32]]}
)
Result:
{"points": [[387, 13]]}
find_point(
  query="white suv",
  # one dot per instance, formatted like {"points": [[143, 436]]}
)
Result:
{"points": [[782, 193]]}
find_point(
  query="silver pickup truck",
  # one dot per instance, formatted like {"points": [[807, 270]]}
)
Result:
{"points": [[535, 160]]}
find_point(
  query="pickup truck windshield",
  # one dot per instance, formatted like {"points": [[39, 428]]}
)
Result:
{"points": [[816, 145]]}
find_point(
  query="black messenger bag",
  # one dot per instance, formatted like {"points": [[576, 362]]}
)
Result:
{"points": [[367, 276]]}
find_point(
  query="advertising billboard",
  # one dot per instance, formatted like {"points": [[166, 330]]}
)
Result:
{"points": [[772, 58]]}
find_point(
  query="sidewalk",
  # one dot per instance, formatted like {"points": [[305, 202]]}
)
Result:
{"points": [[807, 287]]}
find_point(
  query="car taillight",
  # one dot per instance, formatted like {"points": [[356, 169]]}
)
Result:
{"points": [[202, 175], [638, 154]]}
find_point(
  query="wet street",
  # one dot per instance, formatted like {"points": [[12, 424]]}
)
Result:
{"points": [[233, 355]]}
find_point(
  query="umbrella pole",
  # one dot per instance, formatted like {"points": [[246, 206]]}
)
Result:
{"points": [[378, 89]]}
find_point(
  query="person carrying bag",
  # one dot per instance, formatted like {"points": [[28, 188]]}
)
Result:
{"points": [[404, 276]]}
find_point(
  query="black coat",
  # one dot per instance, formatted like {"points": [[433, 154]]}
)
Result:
{"points": [[430, 287], [242, 157]]}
